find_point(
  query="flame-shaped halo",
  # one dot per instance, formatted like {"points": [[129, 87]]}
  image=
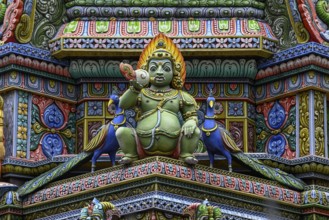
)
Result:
{"points": [[163, 44]]}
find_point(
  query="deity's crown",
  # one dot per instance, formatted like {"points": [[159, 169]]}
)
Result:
{"points": [[162, 47]]}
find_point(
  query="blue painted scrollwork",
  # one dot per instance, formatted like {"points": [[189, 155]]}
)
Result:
{"points": [[276, 116], [53, 116], [277, 144], [52, 145]]}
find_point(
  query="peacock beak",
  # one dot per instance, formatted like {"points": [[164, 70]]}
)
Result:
{"points": [[110, 102], [211, 103]]}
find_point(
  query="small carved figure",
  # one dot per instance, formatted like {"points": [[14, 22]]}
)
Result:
{"points": [[159, 130], [99, 211], [199, 211]]}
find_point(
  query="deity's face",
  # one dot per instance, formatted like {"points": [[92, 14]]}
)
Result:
{"points": [[161, 70]]}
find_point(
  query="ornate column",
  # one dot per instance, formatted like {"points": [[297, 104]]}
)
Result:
{"points": [[311, 122], [2, 147], [17, 124]]}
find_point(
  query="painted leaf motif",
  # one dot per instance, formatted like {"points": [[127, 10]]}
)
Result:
{"points": [[194, 25], [71, 27], [253, 25], [133, 27], [102, 26], [165, 26], [223, 25]]}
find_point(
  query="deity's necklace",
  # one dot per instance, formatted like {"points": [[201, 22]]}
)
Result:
{"points": [[156, 94], [160, 90]]}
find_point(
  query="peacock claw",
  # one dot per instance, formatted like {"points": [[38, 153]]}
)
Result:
{"points": [[191, 160], [230, 169], [93, 168]]}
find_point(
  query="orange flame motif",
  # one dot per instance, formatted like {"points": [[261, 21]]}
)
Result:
{"points": [[163, 43]]}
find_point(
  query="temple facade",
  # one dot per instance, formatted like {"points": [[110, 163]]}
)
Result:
{"points": [[264, 62]]}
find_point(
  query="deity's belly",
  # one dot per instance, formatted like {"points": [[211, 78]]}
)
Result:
{"points": [[159, 132]]}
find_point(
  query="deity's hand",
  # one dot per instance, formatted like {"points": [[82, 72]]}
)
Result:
{"points": [[135, 84], [140, 80], [188, 128]]}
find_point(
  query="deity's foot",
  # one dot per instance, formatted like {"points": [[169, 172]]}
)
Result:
{"points": [[126, 160], [190, 160]]}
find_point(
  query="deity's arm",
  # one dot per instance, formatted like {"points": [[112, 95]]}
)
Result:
{"points": [[189, 107], [129, 98]]}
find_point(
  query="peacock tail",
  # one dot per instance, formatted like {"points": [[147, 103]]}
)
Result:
{"points": [[52, 174], [63, 168], [228, 140], [270, 172], [98, 140]]}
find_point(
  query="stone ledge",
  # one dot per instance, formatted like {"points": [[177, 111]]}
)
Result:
{"points": [[161, 3], [29, 51], [62, 48], [165, 168], [315, 164], [295, 52]]}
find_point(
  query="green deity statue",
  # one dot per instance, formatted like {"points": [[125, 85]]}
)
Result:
{"points": [[159, 101]]}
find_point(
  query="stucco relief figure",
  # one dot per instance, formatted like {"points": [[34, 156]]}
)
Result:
{"points": [[97, 210], [159, 101]]}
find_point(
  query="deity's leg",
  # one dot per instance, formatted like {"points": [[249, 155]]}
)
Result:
{"points": [[188, 146], [126, 140]]}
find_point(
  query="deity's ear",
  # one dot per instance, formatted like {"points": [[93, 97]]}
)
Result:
{"points": [[177, 66]]}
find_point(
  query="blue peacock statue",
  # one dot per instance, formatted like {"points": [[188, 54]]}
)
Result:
{"points": [[104, 142], [109, 144], [219, 141]]}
